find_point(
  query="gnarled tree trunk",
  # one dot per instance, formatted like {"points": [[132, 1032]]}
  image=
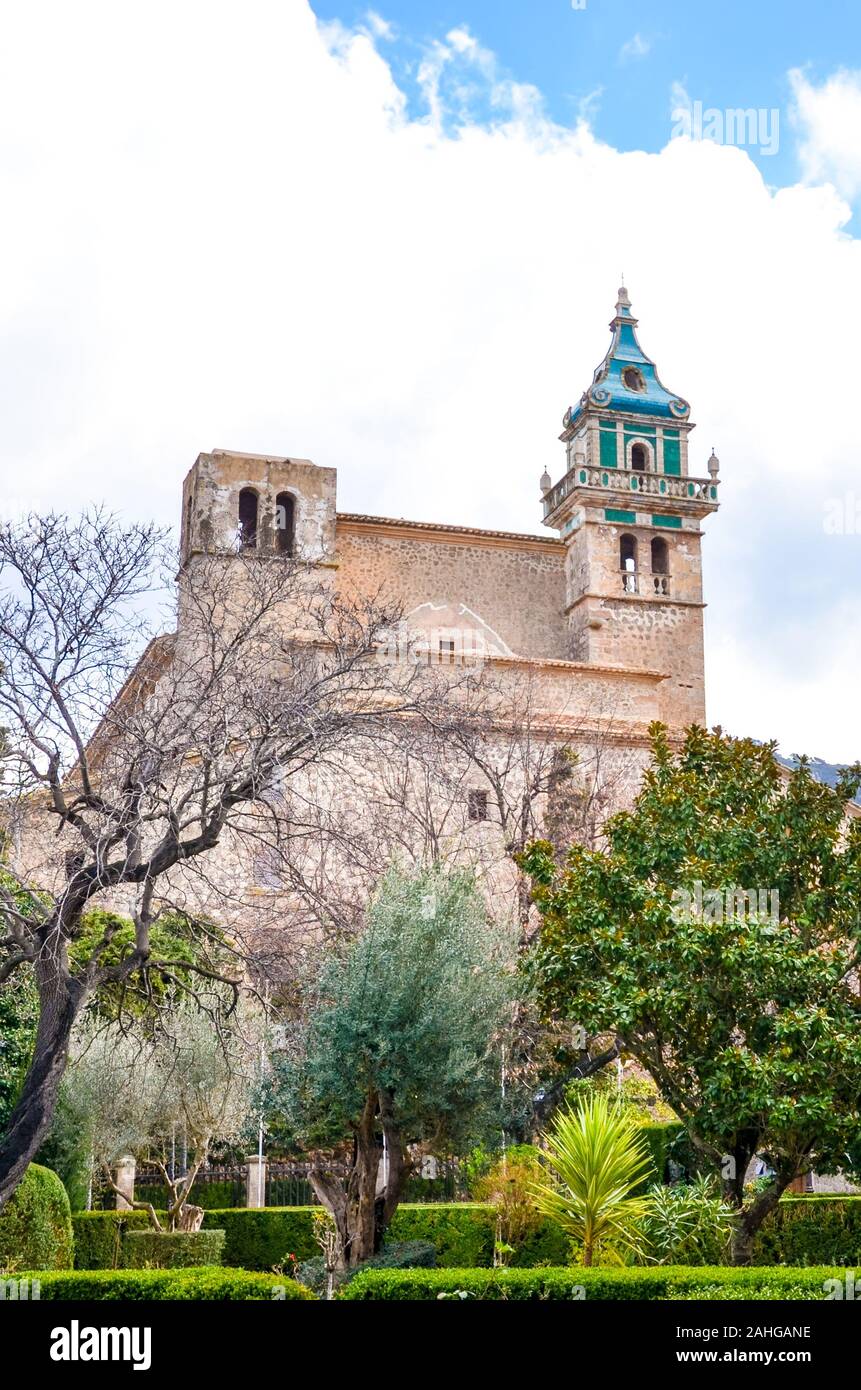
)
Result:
{"points": [[60, 1001], [361, 1215]]}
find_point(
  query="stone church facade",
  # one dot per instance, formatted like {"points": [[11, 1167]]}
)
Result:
{"points": [[592, 631], [608, 606]]}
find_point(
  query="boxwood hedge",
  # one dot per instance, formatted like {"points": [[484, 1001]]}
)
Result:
{"points": [[802, 1231], [36, 1224], [574, 1284], [187, 1284], [171, 1249]]}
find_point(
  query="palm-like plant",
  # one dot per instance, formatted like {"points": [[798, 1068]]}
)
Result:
{"points": [[598, 1161]]}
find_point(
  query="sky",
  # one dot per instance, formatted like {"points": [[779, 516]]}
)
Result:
{"points": [[390, 241]]}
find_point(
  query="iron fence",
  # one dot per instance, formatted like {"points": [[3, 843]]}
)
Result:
{"points": [[287, 1185]]}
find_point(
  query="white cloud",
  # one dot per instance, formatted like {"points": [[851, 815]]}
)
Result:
{"points": [[379, 27], [828, 117], [228, 231], [462, 82], [636, 47]]}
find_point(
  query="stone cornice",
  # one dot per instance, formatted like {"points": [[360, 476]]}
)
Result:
{"points": [[355, 523]]}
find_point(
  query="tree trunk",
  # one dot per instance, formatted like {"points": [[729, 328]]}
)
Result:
{"points": [[362, 1212], [331, 1195], [60, 1002], [397, 1168], [751, 1219]]}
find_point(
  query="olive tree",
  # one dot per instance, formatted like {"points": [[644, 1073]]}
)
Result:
{"points": [[395, 1044]]}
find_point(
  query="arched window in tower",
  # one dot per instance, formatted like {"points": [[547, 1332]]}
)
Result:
{"points": [[628, 563], [660, 565], [285, 521], [189, 514], [248, 518], [639, 457], [633, 379]]}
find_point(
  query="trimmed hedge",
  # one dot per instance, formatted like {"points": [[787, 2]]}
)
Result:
{"points": [[803, 1231], [464, 1235], [36, 1224], [811, 1231], [576, 1283], [233, 1285], [263, 1238], [172, 1249], [99, 1235]]}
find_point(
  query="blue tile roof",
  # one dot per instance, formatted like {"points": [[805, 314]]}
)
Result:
{"points": [[609, 390]]}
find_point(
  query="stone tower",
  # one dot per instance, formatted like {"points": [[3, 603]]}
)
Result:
{"points": [[630, 513], [258, 503]]}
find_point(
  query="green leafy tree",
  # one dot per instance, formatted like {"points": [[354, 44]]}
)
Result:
{"points": [[395, 1046], [597, 1160], [747, 1019]]}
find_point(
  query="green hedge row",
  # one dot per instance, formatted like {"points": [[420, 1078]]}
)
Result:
{"points": [[36, 1224], [146, 1284], [99, 1235], [803, 1231], [574, 1284], [172, 1249], [811, 1230], [463, 1234]]}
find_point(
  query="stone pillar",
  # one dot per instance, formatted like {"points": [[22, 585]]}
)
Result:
{"points": [[124, 1177], [255, 1183]]}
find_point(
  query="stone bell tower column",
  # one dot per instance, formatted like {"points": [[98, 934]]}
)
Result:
{"points": [[630, 512]]}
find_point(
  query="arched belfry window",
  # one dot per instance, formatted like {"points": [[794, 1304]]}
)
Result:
{"points": [[248, 504], [639, 457], [628, 563], [660, 565], [285, 523]]}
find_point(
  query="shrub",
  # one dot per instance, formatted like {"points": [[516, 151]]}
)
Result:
{"points": [[802, 1231], [262, 1239], [171, 1249], [36, 1224], [665, 1143], [688, 1224], [508, 1187], [604, 1283], [597, 1161], [99, 1234], [397, 1254], [462, 1233], [185, 1284], [811, 1231]]}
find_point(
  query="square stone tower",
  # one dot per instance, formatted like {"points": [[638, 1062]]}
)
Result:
{"points": [[630, 512], [260, 504]]}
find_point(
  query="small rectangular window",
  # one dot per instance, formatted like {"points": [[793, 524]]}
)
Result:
{"points": [[477, 803], [446, 651], [267, 870]]}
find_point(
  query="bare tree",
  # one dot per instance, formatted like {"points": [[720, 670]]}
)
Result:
{"points": [[127, 774]]}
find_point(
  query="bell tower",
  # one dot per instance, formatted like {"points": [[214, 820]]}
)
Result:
{"points": [[630, 512]]}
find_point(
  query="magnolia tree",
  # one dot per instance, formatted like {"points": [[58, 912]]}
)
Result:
{"points": [[130, 772], [717, 939], [396, 1043], [136, 1093]]}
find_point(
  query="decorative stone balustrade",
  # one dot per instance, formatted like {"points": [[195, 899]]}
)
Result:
{"points": [[655, 486]]}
